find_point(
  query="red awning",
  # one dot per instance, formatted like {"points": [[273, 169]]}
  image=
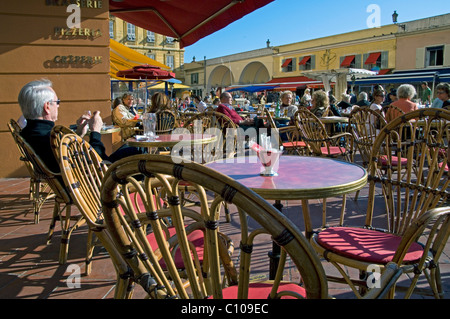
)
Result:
{"points": [[292, 83], [373, 57], [384, 71], [184, 20], [304, 60], [347, 60], [286, 63]]}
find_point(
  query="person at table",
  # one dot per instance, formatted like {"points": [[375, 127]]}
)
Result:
{"points": [[124, 114], [391, 97], [426, 93], [363, 99], [333, 108], [226, 108], [306, 99], [344, 104], [378, 98], [286, 104], [160, 102], [405, 93], [40, 107], [320, 103], [199, 104], [443, 91]]}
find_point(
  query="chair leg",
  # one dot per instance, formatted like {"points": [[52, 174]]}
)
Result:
{"points": [[55, 217], [66, 232], [89, 251]]}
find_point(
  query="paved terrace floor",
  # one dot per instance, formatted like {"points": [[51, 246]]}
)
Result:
{"points": [[29, 268]]}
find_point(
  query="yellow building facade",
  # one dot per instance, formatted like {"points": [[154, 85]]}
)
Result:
{"points": [[156, 46]]}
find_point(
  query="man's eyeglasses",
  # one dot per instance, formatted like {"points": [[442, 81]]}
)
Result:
{"points": [[56, 101]]}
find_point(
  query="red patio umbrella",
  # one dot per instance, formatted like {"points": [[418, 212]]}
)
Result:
{"points": [[185, 20], [146, 72]]}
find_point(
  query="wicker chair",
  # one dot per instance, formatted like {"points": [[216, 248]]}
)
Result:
{"points": [[391, 112], [364, 125], [412, 206], [40, 191], [214, 122], [68, 222], [206, 279], [318, 143], [293, 145], [166, 122], [82, 170]]}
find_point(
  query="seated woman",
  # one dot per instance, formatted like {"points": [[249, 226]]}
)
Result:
{"points": [[443, 91], [124, 116], [160, 102], [320, 103]]}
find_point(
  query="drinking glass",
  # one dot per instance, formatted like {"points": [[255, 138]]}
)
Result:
{"points": [[149, 123], [270, 161]]}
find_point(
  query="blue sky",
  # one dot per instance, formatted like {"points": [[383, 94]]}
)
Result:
{"points": [[290, 21]]}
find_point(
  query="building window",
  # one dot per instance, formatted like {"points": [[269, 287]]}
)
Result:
{"points": [[131, 32], [169, 40], [151, 56], [307, 63], [194, 78], [150, 36], [170, 61], [348, 61], [376, 60], [434, 56], [288, 65], [111, 29]]}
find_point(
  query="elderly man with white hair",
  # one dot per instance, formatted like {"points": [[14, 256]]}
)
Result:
{"points": [[405, 93]]}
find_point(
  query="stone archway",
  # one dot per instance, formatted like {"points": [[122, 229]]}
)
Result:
{"points": [[254, 73], [220, 77]]}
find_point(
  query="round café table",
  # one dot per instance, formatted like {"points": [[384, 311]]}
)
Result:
{"points": [[299, 178]]}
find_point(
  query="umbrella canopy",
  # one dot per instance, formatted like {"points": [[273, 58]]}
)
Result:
{"points": [[145, 72], [122, 58], [163, 85], [184, 20]]}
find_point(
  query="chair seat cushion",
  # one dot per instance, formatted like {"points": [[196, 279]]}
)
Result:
{"points": [[334, 150], [262, 290], [383, 160], [196, 238], [294, 144], [365, 245]]}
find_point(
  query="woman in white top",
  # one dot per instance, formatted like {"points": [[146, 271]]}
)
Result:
{"points": [[378, 99]]}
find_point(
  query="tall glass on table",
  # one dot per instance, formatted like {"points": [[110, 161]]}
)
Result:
{"points": [[149, 124]]}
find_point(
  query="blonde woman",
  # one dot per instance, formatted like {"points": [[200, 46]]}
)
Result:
{"points": [[320, 103], [160, 102]]}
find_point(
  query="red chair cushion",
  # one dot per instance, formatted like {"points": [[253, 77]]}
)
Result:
{"points": [[294, 144], [383, 160], [334, 150], [365, 245], [196, 238], [262, 291]]}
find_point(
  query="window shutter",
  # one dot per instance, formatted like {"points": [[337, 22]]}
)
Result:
{"points": [[358, 61], [294, 64], [313, 62], [384, 60], [420, 58], [366, 66], [447, 55]]}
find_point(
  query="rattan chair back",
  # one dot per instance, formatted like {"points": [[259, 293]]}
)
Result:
{"points": [[217, 124], [39, 192], [55, 181], [166, 122], [82, 170], [313, 132], [364, 124]]}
